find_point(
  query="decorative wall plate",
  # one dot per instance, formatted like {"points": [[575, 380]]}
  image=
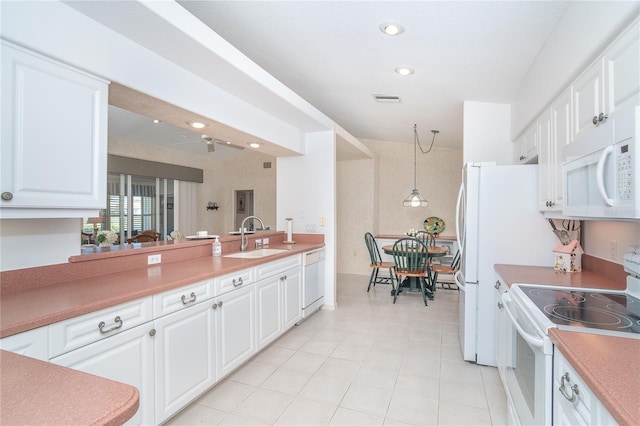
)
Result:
{"points": [[434, 225]]}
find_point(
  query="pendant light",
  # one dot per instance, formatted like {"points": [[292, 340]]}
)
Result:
{"points": [[415, 199]]}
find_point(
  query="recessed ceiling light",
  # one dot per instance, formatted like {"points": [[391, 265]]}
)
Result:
{"points": [[196, 124], [255, 144], [404, 70], [391, 29], [156, 121]]}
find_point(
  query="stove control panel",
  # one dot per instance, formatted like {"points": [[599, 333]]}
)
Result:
{"points": [[631, 260]]}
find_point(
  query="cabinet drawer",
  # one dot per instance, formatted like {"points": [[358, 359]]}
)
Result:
{"points": [[73, 333], [279, 266], [182, 297], [583, 405], [226, 283], [32, 343]]}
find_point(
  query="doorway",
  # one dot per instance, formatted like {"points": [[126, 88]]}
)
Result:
{"points": [[243, 207]]}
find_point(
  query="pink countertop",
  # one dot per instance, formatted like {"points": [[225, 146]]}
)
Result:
{"points": [[609, 365], [37, 392], [33, 307]]}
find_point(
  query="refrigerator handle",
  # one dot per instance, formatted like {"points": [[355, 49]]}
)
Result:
{"points": [[459, 279], [459, 220]]}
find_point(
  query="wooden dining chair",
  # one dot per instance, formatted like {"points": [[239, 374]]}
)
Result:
{"points": [[377, 264], [145, 237], [411, 260], [426, 238], [446, 270]]}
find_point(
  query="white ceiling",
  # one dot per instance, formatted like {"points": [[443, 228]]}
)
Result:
{"points": [[333, 54]]}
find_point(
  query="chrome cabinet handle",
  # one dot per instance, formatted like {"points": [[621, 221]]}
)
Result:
{"points": [[497, 286], [574, 388], [500, 305], [192, 298], [237, 283], [7, 196], [550, 203], [599, 118], [117, 320]]}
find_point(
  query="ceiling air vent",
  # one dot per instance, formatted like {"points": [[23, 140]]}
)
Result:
{"points": [[387, 99]]}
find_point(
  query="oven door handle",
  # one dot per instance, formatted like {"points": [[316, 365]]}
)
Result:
{"points": [[533, 340]]}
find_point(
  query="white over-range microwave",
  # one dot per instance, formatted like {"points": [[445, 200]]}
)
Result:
{"points": [[601, 170]]}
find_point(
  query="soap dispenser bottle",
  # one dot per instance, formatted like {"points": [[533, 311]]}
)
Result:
{"points": [[216, 247]]}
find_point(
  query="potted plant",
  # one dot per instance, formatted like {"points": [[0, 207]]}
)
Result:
{"points": [[106, 238]]}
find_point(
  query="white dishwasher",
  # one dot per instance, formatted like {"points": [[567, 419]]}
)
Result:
{"points": [[312, 281]]}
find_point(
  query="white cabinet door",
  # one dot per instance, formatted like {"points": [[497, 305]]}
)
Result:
{"points": [[525, 148], [622, 62], [588, 99], [545, 162], [561, 117], [269, 310], [126, 357], [54, 138], [292, 297], [33, 343], [236, 335], [184, 357]]}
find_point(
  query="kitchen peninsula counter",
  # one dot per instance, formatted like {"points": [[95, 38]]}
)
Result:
{"points": [[36, 306], [609, 365], [37, 392]]}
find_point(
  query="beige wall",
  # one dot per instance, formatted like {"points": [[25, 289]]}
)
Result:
{"points": [[370, 195], [221, 178]]}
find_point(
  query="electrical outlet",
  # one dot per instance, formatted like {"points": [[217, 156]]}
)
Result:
{"points": [[154, 259], [613, 250]]}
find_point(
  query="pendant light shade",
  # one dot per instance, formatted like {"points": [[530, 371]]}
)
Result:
{"points": [[415, 199]]}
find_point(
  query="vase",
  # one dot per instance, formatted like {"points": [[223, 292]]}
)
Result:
{"points": [[105, 244]]}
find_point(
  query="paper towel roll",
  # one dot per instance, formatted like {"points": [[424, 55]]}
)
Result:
{"points": [[289, 229]]}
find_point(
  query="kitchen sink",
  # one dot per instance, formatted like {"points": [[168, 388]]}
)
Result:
{"points": [[255, 254]]}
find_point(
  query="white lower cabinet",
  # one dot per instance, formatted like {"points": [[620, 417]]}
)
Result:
{"points": [[236, 328], [573, 402], [269, 310], [184, 357], [33, 343], [292, 297], [126, 357]]}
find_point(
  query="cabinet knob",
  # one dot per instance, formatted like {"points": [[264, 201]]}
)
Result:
{"points": [[220, 304], [7, 196], [152, 332], [500, 305], [497, 286], [215, 306], [602, 117], [594, 120]]}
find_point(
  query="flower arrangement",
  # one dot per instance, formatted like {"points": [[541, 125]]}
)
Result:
{"points": [[411, 233], [106, 238]]}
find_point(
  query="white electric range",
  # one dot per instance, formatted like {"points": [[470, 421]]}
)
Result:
{"points": [[531, 310]]}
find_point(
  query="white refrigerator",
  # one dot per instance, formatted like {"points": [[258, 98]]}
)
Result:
{"points": [[497, 221]]}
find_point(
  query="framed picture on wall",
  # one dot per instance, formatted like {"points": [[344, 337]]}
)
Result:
{"points": [[242, 203]]}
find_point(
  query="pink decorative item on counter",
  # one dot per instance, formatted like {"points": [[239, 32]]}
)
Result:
{"points": [[568, 258]]}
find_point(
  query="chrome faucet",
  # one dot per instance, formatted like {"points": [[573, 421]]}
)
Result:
{"points": [[244, 241]]}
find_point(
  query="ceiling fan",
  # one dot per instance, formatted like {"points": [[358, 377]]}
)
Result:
{"points": [[211, 143]]}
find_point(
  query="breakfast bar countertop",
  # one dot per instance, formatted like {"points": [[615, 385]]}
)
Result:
{"points": [[37, 392], [603, 362]]}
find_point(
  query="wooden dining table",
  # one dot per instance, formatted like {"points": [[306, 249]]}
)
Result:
{"points": [[432, 251]]}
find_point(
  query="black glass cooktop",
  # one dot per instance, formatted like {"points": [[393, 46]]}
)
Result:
{"points": [[618, 312]]}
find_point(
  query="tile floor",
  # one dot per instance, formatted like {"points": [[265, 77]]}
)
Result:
{"points": [[367, 363]]}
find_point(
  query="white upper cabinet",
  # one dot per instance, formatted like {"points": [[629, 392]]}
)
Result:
{"points": [[525, 148], [622, 68], [610, 83], [556, 133], [54, 138]]}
